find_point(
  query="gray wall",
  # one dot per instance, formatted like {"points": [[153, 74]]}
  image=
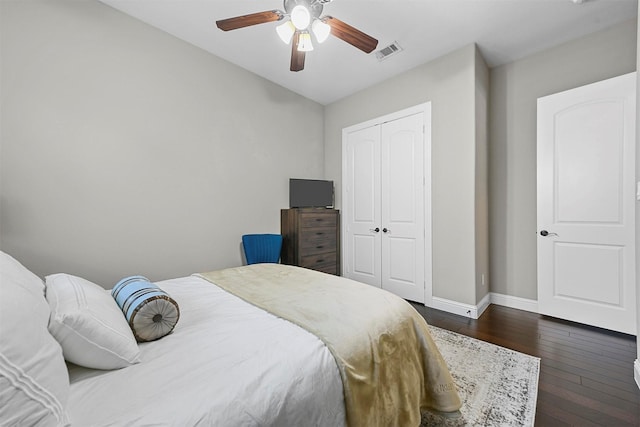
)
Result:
{"points": [[482, 180], [515, 88], [636, 370], [127, 151], [124, 150], [449, 84]]}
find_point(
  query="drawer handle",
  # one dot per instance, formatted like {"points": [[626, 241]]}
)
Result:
{"points": [[319, 261], [319, 234], [319, 247]]}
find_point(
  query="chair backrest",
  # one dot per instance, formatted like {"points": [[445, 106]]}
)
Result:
{"points": [[262, 247]]}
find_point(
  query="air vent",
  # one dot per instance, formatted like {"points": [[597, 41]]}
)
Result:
{"points": [[386, 52]]}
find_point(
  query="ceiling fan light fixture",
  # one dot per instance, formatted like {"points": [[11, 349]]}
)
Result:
{"points": [[304, 42], [320, 30], [301, 17], [285, 31]]}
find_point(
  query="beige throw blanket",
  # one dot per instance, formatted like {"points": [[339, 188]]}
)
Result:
{"points": [[390, 366]]}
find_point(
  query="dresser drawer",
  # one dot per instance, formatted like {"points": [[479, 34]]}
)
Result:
{"points": [[328, 268], [318, 219], [318, 261], [318, 240]]}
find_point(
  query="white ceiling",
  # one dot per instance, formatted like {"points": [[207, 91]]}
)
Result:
{"points": [[505, 30]]}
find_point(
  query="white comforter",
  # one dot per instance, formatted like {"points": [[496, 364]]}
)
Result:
{"points": [[227, 363]]}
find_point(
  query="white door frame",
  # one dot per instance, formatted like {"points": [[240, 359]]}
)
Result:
{"points": [[424, 109]]}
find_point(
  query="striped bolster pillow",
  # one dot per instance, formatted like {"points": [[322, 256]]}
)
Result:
{"points": [[150, 311]]}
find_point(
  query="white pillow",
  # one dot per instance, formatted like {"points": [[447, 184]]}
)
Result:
{"points": [[34, 382], [88, 324]]}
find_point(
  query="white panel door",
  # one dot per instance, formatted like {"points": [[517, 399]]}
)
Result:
{"points": [[385, 221], [362, 206], [403, 251], [586, 204]]}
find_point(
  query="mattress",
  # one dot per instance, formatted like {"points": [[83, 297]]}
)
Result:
{"points": [[227, 362]]}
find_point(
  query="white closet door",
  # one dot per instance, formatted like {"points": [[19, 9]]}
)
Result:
{"points": [[402, 172], [362, 206], [386, 203], [586, 204]]}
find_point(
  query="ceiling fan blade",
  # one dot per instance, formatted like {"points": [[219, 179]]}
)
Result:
{"points": [[248, 20], [297, 56], [351, 35]]}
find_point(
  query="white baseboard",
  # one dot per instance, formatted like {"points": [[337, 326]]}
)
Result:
{"points": [[484, 304], [475, 311], [461, 309], [636, 372], [514, 302]]}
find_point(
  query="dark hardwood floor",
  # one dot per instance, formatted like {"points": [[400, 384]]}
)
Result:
{"points": [[586, 373]]}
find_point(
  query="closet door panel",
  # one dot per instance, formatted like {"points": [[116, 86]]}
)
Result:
{"points": [[402, 194], [362, 216]]}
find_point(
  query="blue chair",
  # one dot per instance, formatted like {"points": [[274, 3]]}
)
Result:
{"points": [[260, 248]]}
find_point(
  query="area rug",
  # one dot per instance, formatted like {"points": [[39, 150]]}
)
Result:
{"points": [[497, 386]]}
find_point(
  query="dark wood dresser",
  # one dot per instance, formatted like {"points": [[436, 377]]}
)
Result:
{"points": [[311, 238]]}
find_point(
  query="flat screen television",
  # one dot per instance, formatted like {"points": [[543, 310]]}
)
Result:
{"points": [[310, 193]]}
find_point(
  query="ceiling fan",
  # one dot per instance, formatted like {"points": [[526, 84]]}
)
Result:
{"points": [[304, 19]]}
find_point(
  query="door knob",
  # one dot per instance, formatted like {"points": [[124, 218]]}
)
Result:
{"points": [[375, 229], [545, 233], [386, 230]]}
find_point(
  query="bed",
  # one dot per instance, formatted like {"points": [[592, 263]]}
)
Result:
{"points": [[241, 354]]}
